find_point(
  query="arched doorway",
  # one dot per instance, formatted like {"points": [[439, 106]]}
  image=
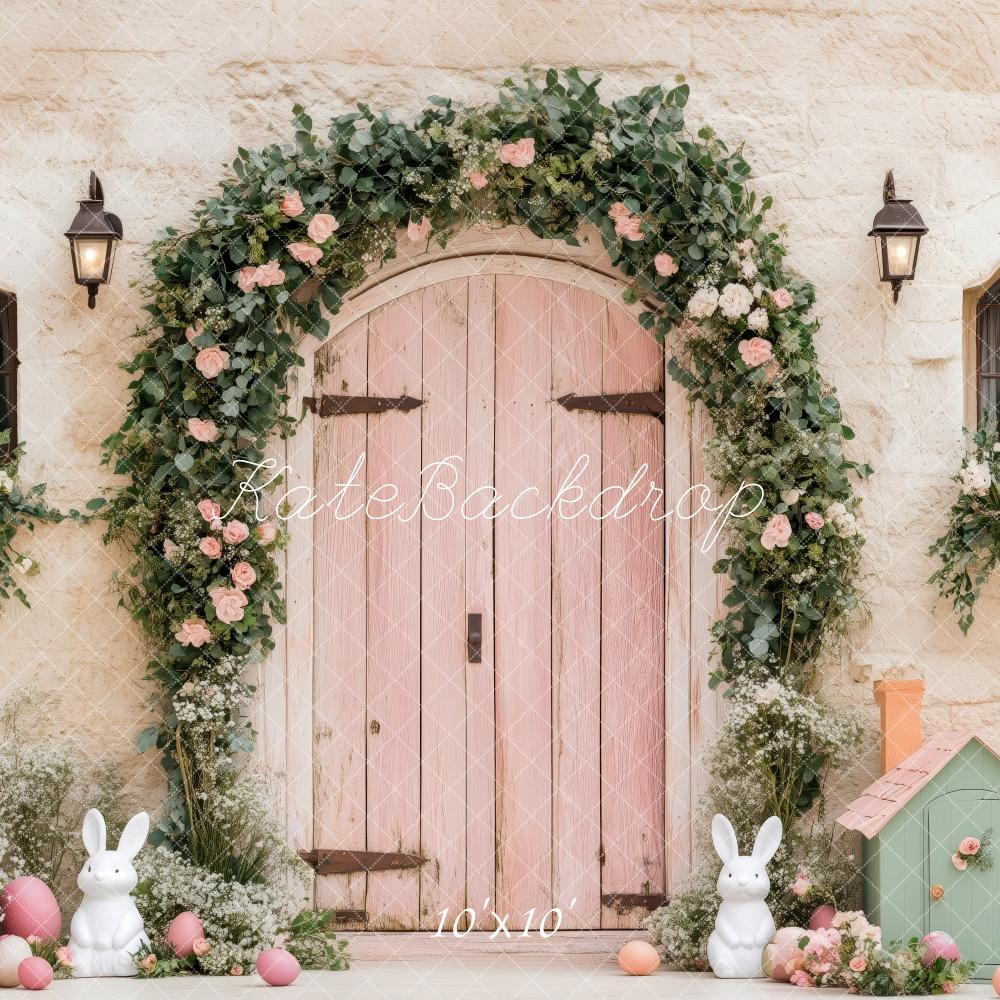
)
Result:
{"points": [[556, 770]]}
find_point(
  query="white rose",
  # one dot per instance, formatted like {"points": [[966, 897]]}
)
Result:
{"points": [[757, 320], [976, 477], [735, 301], [791, 497], [758, 291], [748, 268], [703, 303], [836, 510], [6, 483]]}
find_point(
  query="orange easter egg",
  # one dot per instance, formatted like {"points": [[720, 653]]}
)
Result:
{"points": [[996, 980], [638, 958]]}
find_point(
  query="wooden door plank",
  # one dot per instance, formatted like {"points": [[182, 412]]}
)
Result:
{"points": [[677, 708], [340, 621], [394, 462], [523, 611], [443, 610], [632, 602], [579, 327], [480, 718]]}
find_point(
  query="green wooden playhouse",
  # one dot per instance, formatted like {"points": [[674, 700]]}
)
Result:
{"points": [[912, 820]]}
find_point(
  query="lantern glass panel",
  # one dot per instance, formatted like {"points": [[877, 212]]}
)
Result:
{"points": [[92, 257], [901, 254]]}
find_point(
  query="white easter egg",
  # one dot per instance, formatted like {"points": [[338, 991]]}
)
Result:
{"points": [[13, 951]]}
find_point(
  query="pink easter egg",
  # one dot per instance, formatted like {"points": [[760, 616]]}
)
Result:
{"points": [[937, 944], [822, 918], [30, 909], [35, 973], [638, 958], [182, 933], [277, 967], [996, 980], [781, 951]]}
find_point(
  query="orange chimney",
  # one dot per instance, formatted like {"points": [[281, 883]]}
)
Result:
{"points": [[899, 702]]}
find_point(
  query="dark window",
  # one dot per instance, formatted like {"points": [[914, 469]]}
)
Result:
{"points": [[8, 366], [988, 354]]}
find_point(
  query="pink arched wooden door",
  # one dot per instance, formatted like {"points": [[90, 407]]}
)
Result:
{"points": [[535, 777]]}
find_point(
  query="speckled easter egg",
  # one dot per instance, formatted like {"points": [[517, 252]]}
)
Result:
{"points": [[822, 918], [277, 967], [13, 951], [782, 950], [638, 958], [35, 973], [30, 909], [937, 944], [182, 933]]}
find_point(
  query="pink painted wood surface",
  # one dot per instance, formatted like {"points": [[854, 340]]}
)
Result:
{"points": [[632, 602], [522, 594], [579, 327], [480, 719], [443, 608], [677, 748], [394, 463], [340, 632]]}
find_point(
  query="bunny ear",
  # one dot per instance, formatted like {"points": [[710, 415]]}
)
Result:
{"points": [[724, 838], [134, 835], [768, 840], [95, 834]]}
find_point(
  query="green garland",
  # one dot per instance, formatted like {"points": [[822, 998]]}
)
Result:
{"points": [[295, 228]]}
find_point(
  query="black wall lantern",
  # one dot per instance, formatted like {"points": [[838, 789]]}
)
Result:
{"points": [[92, 240], [897, 230]]}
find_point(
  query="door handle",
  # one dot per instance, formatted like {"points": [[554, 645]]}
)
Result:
{"points": [[474, 637]]}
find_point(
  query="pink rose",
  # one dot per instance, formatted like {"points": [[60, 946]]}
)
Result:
{"points": [[948, 986], [306, 253], [478, 180], [800, 978], [416, 232], [665, 265], [209, 510], [776, 532], [291, 205], [970, 845], [246, 278], [203, 430], [745, 247], [858, 963], [619, 210], [755, 352], [266, 532], [960, 863], [170, 548], [236, 970], [196, 330], [211, 361], [518, 154], [243, 576], [235, 532], [193, 633], [782, 298], [200, 947], [321, 227], [814, 520], [148, 962], [64, 956], [269, 274], [800, 886], [210, 547], [630, 228], [229, 603]]}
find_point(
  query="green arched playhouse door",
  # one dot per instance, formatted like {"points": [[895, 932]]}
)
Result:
{"points": [[968, 910]]}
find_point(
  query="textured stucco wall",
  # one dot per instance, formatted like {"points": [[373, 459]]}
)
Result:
{"points": [[826, 95]]}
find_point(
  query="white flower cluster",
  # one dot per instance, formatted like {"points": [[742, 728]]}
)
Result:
{"points": [[6, 482], [240, 920], [976, 477], [843, 521]]}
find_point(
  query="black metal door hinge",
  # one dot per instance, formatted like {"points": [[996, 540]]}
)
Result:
{"points": [[335, 406], [650, 403]]}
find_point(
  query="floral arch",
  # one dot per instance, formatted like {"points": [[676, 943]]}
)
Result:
{"points": [[296, 228]]}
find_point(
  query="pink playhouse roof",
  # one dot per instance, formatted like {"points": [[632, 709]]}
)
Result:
{"points": [[880, 801]]}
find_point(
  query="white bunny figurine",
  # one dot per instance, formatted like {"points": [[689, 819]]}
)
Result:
{"points": [[744, 924], [107, 929]]}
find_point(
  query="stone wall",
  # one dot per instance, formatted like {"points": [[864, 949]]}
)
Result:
{"points": [[826, 95]]}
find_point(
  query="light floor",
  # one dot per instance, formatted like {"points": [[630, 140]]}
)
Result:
{"points": [[567, 966]]}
